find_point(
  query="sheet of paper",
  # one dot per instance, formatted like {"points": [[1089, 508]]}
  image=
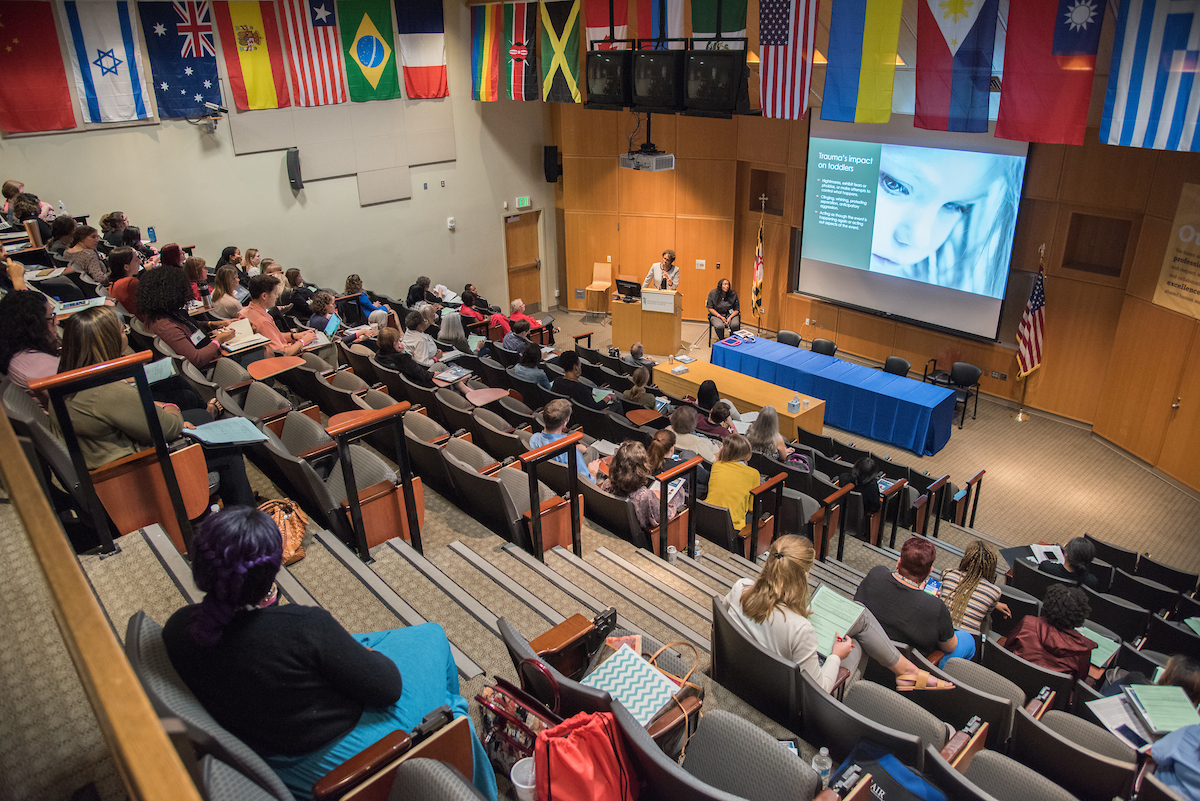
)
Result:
{"points": [[740, 426], [604, 447], [1104, 649], [831, 613], [244, 336], [1113, 713], [685, 359], [474, 340], [601, 394], [160, 370], [1043, 553], [1193, 623], [1166, 708], [231, 431]]}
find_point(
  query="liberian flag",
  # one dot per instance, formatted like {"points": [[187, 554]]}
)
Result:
{"points": [[596, 18], [521, 79], [486, 40], [786, 31], [660, 19], [421, 32], [310, 34], [955, 44], [183, 57], [103, 50]]}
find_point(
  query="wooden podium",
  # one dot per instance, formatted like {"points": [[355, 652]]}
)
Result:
{"points": [[654, 321]]}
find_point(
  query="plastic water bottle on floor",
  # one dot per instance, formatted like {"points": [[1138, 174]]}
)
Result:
{"points": [[823, 765], [794, 404]]}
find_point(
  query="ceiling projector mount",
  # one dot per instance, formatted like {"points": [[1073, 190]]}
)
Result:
{"points": [[648, 158]]}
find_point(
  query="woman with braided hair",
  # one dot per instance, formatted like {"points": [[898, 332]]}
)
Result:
{"points": [[969, 591], [773, 611], [288, 680]]}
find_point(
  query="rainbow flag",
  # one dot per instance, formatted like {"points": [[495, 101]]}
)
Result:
{"points": [[253, 54], [862, 60], [487, 35]]}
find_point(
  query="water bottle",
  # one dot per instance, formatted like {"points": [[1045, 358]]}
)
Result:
{"points": [[150, 232], [62, 209], [205, 293], [794, 404], [823, 765]]}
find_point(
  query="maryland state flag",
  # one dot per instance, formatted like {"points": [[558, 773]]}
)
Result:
{"points": [[756, 292], [367, 41], [560, 51], [253, 54]]}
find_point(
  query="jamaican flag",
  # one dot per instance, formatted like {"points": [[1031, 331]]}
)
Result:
{"points": [[560, 51]]}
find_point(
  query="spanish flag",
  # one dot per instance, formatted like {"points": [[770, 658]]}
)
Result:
{"points": [[253, 54]]}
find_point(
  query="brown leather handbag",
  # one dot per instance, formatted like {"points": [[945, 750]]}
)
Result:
{"points": [[292, 524]]}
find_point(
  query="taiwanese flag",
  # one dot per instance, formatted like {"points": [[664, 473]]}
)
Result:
{"points": [[520, 73], [1049, 63], [33, 94], [955, 45], [421, 34]]}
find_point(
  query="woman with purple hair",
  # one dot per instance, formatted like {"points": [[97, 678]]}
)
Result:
{"points": [[288, 680]]}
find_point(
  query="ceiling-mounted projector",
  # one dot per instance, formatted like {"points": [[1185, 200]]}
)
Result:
{"points": [[648, 162]]}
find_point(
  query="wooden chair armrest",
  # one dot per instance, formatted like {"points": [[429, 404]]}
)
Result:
{"points": [[836, 496], [936, 657], [119, 465], [487, 470], [1041, 703], [320, 450], [965, 744], [975, 479], [561, 636], [766, 486], [273, 416], [359, 767], [238, 386]]}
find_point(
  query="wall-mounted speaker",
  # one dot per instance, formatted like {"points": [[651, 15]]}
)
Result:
{"points": [[550, 162], [293, 167]]}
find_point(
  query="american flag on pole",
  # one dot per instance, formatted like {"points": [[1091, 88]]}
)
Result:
{"points": [[787, 29], [314, 48], [1033, 324], [756, 304]]}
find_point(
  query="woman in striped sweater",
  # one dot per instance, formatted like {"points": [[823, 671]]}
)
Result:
{"points": [[970, 592]]}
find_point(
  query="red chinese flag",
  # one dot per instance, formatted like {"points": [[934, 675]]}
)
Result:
{"points": [[34, 94]]}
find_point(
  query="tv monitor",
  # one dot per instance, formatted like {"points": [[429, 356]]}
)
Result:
{"points": [[630, 289], [609, 79], [658, 81], [713, 80]]}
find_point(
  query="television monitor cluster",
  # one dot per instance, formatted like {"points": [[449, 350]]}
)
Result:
{"points": [[702, 82]]}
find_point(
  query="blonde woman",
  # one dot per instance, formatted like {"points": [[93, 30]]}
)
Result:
{"points": [[225, 302], [773, 611]]}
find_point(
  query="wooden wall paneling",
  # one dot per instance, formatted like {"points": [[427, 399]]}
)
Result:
{"points": [[865, 335], [1107, 176], [587, 132], [642, 240], [662, 131], [705, 187], [641, 192], [589, 238], [796, 308], [1056, 255], [793, 213], [560, 251], [798, 142], [1182, 443], [822, 317], [1036, 221], [763, 140], [1148, 258], [1081, 324], [1173, 170], [1043, 171], [705, 138], [1143, 374], [711, 240], [918, 345], [590, 183], [741, 201]]}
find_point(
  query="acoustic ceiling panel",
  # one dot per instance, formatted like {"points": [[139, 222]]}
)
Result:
{"points": [[260, 131], [382, 186]]}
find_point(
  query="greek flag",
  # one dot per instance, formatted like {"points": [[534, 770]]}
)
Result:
{"points": [[1153, 99], [103, 49]]}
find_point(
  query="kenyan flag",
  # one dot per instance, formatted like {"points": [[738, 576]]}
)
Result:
{"points": [[520, 51]]}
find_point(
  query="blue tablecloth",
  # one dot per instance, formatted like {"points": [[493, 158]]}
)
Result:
{"points": [[884, 407]]}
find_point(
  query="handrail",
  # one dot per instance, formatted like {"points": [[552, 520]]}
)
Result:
{"points": [[825, 519], [91, 371], [920, 515], [937, 498], [687, 469], [529, 463], [587, 336], [975, 481], [148, 763], [772, 484], [881, 515], [368, 417]]}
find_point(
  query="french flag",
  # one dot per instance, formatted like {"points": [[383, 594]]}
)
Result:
{"points": [[421, 33], [955, 46]]}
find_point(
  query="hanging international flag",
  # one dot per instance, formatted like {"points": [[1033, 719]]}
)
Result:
{"points": [[520, 46], [370, 61], [310, 33], [1153, 99], [421, 36], [862, 60], [103, 50], [560, 51], [1049, 63], [183, 57], [596, 19], [253, 54], [786, 29], [487, 36], [704, 23], [955, 44], [1033, 325], [661, 19], [756, 291], [34, 95]]}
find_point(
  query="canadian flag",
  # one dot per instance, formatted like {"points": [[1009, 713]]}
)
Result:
{"points": [[596, 20]]}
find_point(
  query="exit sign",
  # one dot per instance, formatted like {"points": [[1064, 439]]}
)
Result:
{"points": [[523, 203]]}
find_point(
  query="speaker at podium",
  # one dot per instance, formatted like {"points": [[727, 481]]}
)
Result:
{"points": [[654, 319]]}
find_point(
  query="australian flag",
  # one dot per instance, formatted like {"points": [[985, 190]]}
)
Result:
{"points": [[183, 57]]}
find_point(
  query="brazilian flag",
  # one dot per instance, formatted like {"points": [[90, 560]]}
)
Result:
{"points": [[560, 51], [367, 42]]}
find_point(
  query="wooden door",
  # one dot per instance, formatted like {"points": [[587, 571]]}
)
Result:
{"points": [[523, 259], [1182, 442]]}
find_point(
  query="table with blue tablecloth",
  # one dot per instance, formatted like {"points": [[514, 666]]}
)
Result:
{"points": [[885, 407]]}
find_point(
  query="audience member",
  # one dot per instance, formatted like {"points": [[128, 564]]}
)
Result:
{"points": [[969, 590], [732, 479], [393, 356], [232, 256], [637, 357], [124, 264], [10, 190], [1181, 671], [516, 339], [569, 384], [717, 424], [252, 263], [451, 331], [171, 256], [907, 613], [865, 478], [302, 293], [225, 303], [419, 293], [764, 435], [432, 318], [12, 277], [683, 425], [321, 307], [82, 256], [354, 285], [467, 309], [264, 292], [529, 369], [660, 455], [1050, 639], [629, 478], [113, 225], [517, 312], [638, 393], [556, 415], [196, 269], [419, 344], [26, 208], [1079, 553], [773, 611], [1178, 761], [162, 296], [28, 340], [61, 231], [131, 237], [724, 310], [287, 679]]}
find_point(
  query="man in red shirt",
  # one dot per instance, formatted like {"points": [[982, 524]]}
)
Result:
{"points": [[518, 313]]}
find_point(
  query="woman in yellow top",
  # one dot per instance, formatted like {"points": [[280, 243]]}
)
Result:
{"points": [[732, 479]]}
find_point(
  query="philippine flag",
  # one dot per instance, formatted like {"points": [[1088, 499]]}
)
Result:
{"points": [[956, 40], [421, 32], [103, 49]]}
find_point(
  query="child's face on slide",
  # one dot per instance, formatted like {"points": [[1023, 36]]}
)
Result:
{"points": [[921, 201]]}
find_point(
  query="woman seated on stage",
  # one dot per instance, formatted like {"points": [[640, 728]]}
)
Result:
{"points": [[773, 611], [628, 477], [393, 356], [28, 340], [1050, 639], [225, 302], [162, 296], [724, 310], [764, 435], [124, 264], [287, 679], [264, 292]]}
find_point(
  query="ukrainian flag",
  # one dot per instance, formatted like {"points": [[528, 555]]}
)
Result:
{"points": [[862, 60]]}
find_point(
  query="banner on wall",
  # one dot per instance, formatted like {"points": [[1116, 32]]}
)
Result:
{"points": [[1179, 281]]}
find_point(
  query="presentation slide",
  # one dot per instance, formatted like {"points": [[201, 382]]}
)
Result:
{"points": [[914, 231]]}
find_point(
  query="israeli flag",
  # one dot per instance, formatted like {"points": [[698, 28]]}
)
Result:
{"points": [[1153, 99], [103, 47]]}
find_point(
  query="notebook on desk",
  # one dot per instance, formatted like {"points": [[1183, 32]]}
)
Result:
{"points": [[243, 337]]}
